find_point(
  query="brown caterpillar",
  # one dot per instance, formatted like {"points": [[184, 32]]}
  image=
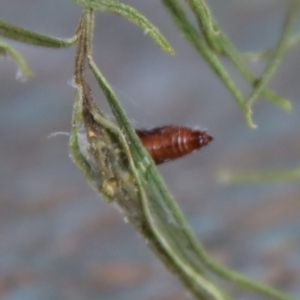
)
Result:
{"points": [[171, 142]]}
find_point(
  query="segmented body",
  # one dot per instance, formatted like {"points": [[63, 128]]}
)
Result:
{"points": [[171, 142]]}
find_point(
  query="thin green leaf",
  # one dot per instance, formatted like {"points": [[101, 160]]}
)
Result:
{"points": [[132, 15], [33, 38], [237, 59], [6, 49], [279, 51], [206, 24], [227, 49], [205, 51], [258, 177], [263, 54]]}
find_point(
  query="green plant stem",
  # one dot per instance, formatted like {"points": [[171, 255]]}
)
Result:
{"points": [[132, 15], [237, 59], [254, 56], [204, 50], [228, 50], [260, 177], [206, 24], [241, 280], [279, 51], [33, 38]]}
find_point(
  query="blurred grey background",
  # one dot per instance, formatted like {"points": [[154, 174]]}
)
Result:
{"points": [[58, 240]]}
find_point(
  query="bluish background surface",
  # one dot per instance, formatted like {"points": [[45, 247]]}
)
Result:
{"points": [[58, 240]]}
